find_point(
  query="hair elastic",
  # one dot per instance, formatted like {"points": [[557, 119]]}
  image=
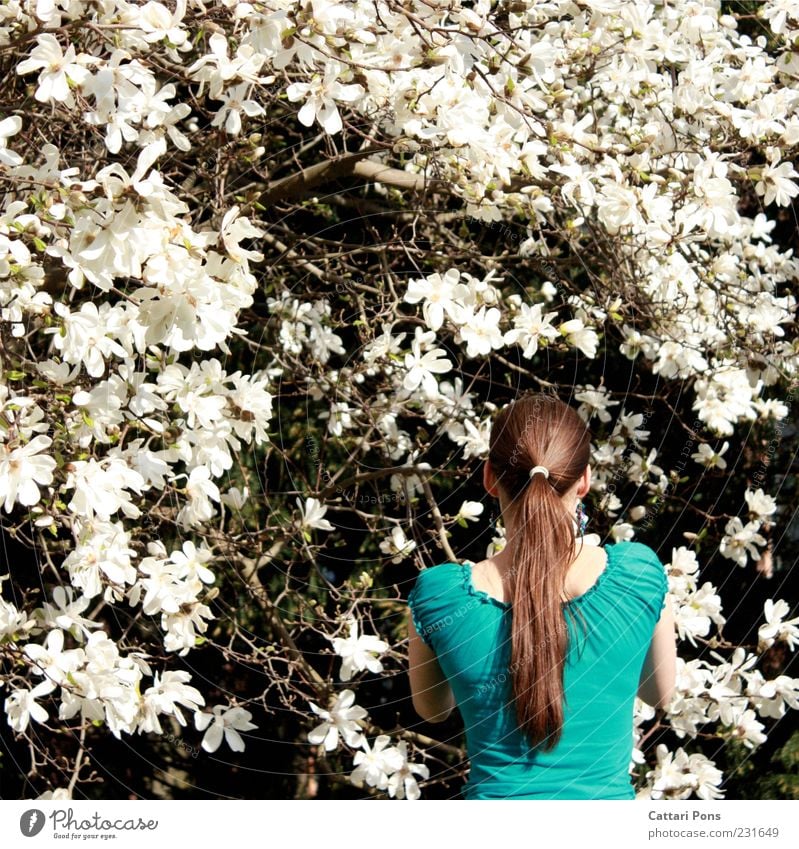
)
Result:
{"points": [[543, 469]]}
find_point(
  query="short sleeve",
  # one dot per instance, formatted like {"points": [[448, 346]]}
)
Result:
{"points": [[645, 577], [430, 601], [414, 605]]}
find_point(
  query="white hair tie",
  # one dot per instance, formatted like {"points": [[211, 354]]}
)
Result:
{"points": [[543, 469]]}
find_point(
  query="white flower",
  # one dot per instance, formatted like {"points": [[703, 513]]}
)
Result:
{"points": [[22, 469], [373, 765], [473, 438], [167, 692], [773, 696], [760, 504], [740, 540], [13, 623], [702, 607], [51, 660], [482, 333], [236, 102], [59, 794], [402, 783], [641, 468], [9, 127], [21, 706], [529, 325], [358, 652], [617, 207], [101, 548], [777, 12], [344, 718], [235, 498], [470, 511], [158, 23], [101, 488], [441, 294], [706, 456], [312, 514], [225, 722], [86, 331], [397, 545], [191, 561], [421, 366], [233, 230], [58, 69], [201, 491], [595, 401], [582, 337], [320, 97], [776, 184], [775, 629], [65, 613], [746, 727], [217, 68]]}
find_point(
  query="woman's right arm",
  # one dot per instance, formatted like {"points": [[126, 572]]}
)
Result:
{"points": [[658, 680], [432, 696]]}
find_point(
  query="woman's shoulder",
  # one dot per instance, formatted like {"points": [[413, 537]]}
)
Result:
{"points": [[638, 566], [634, 551], [435, 580], [441, 572]]}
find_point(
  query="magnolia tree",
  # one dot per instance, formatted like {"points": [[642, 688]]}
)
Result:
{"points": [[267, 269]]}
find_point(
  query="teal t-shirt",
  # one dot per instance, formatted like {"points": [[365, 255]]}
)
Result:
{"points": [[470, 633]]}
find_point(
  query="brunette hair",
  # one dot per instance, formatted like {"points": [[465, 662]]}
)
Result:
{"points": [[539, 429]]}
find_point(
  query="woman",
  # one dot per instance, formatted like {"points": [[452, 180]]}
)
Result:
{"points": [[547, 705]]}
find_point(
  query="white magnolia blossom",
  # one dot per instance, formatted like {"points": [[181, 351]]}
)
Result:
{"points": [[313, 512], [223, 723], [679, 775], [530, 325], [397, 545], [698, 609], [319, 98], [14, 623], [706, 456], [402, 783], [342, 719], [580, 336], [22, 470], [741, 541], [375, 763], [760, 504], [423, 363], [60, 794], [470, 511], [442, 295], [776, 628], [595, 402], [57, 69], [358, 651], [21, 706]]}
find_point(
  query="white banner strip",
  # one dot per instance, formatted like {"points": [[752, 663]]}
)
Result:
{"points": [[263, 824]]}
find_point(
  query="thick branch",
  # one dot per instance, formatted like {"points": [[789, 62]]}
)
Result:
{"points": [[345, 166], [322, 172]]}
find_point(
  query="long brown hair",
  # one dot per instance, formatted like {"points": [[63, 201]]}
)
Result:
{"points": [[539, 429]]}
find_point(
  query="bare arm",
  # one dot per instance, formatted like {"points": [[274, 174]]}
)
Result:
{"points": [[432, 695], [658, 679]]}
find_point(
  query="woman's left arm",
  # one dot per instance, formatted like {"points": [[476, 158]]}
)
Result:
{"points": [[432, 696]]}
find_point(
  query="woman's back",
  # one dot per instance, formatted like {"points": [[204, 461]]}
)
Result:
{"points": [[469, 631]]}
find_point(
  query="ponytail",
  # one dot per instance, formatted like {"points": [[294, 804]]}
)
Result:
{"points": [[539, 430]]}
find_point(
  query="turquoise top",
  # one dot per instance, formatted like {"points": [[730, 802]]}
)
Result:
{"points": [[469, 631]]}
